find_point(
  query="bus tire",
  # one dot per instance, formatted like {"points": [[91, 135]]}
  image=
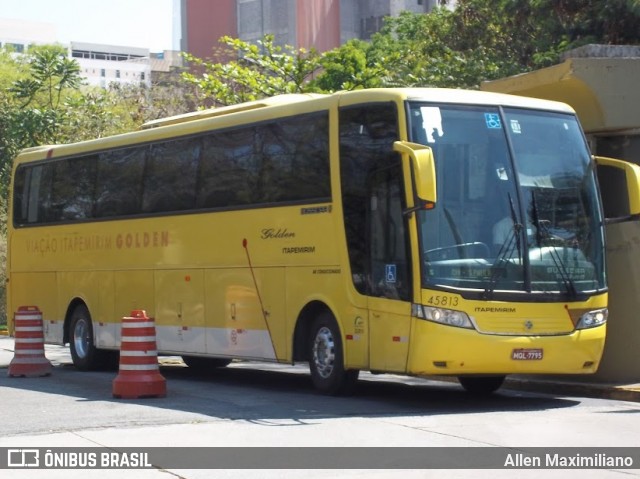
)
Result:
{"points": [[85, 355], [481, 385], [326, 358], [198, 363]]}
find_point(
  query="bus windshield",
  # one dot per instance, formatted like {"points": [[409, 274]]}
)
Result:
{"points": [[517, 207]]}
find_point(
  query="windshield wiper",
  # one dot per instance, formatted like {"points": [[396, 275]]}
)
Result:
{"points": [[517, 228], [542, 235], [511, 243]]}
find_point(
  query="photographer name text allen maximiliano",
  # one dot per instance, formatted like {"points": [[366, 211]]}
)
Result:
{"points": [[560, 461]]}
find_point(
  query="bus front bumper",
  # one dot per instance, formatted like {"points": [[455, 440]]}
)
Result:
{"points": [[445, 350]]}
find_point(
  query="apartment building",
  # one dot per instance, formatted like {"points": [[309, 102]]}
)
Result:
{"points": [[322, 24]]}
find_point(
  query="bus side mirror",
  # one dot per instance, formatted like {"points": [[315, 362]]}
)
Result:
{"points": [[620, 189], [419, 159]]}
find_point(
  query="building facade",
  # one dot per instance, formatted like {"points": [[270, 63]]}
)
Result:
{"points": [[100, 65], [321, 24]]}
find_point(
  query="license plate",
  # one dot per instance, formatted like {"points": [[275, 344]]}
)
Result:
{"points": [[526, 354]]}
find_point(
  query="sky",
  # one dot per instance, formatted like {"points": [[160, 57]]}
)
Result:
{"points": [[133, 23]]}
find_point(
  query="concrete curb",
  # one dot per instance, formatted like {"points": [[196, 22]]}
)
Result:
{"points": [[620, 392]]}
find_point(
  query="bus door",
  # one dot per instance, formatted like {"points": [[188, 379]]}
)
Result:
{"points": [[389, 289]]}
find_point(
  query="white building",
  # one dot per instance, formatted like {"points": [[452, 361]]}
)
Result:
{"points": [[100, 65], [105, 64]]}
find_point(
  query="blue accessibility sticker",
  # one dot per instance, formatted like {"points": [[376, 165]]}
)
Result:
{"points": [[390, 273], [492, 120]]}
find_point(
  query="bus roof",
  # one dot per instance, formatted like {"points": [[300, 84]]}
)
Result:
{"points": [[195, 122], [444, 95], [225, 110], [466, 97]]}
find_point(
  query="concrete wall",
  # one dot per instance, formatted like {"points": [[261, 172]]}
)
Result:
{"points": [[259, 17], [204, 22], [318, 24], [621, 359]]}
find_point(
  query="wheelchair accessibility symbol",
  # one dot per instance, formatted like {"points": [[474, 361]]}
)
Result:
{"points": [[390, 273], [492, 120]]}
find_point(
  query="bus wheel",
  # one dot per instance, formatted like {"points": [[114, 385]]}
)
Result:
{"points": [[199, 363], [481, 385], [326, 360], [83, 351]]}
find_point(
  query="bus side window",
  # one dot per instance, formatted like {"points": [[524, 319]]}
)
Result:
{"points": [[227, 172], [295, 159], [21, 183], [170, 176], [119, 182], [367, 134], [40, 194], [72, 190], [387, 235]]}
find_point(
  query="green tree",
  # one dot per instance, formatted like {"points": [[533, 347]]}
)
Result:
{"points": [[169, 95], [482, 40], [241, 71], [50, 73], [420, 51], [351, 66], [34, 111]]}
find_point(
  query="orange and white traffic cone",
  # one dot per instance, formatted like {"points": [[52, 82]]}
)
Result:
{"points": [[139, 375], [29, 360]]}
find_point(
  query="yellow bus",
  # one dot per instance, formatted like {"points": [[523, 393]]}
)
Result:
{"points": [[409, 231]]}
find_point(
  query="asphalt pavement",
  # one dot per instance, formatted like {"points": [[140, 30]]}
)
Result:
{"points": [[570, 386]]}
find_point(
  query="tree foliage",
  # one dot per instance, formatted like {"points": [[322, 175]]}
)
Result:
{"points": [[242, 71], [354, 65], [169, 95], [483, 40], [51, 73]]}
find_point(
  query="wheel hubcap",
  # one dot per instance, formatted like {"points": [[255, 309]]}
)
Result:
{"points": [[324, 352], [81, 338]]}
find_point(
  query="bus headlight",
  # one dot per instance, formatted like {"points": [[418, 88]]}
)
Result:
{"points": [[593, 319], [442, 316]]}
